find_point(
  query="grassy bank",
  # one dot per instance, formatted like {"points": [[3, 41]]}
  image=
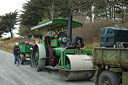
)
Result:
{"points": [[8, 44]]}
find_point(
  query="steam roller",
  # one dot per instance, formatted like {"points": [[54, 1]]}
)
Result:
{"points": [[62, 51]]}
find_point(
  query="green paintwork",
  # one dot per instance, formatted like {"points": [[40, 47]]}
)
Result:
{"points": [[72, 51], [68, 66], [24, 48], [58, 23], [58, 51], [54, 43], [111, 56]]}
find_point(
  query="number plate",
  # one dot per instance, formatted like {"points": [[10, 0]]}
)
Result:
{"points": [[78, 51]]}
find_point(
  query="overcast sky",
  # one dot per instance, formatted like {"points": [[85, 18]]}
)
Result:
{"points": [[7, 6]]}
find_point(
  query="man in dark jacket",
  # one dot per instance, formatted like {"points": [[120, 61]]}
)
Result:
{"points": [[16, 52], [31, 58]]}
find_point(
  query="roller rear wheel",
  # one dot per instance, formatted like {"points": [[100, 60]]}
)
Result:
{"points": [[38, 57]]}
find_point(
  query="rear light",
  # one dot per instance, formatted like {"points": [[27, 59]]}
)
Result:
{"points": [[52, 60]]}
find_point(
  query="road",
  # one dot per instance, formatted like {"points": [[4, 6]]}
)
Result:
{"points": [[25, 75]]}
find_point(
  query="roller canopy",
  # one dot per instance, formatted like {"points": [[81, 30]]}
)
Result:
{"points": [[54, 24]]}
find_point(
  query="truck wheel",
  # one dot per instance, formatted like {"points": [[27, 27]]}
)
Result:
{"points": [[108, 78], [22, 59]]}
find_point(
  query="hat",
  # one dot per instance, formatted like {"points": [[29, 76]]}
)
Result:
{"points": [[16, 43]]}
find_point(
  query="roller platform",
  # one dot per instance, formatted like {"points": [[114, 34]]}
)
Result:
{"points": [[81, 68]]}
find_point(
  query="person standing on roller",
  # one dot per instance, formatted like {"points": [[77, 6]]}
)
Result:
{"points": [[16, 52]]}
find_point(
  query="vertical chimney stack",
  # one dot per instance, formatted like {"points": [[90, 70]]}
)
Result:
{"points": [[69, 30]]}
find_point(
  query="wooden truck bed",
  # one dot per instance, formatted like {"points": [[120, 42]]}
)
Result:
{"points": [[111, 56]]}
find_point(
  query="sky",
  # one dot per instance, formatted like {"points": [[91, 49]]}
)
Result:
{"points": [[7, 6]]}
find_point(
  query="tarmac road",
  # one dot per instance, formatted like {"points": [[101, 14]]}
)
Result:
{"points": [[25, 75]]}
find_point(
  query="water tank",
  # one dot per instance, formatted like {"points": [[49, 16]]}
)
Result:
{"points": [[110, 35]]}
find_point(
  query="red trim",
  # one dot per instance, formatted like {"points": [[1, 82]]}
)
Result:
{"points": [[53, 43]]}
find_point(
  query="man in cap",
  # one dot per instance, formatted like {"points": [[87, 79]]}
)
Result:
{"points": [[16, 52]]}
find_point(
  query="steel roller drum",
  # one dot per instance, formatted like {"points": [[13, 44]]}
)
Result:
{"points": [[40, 56], [82, 66]]}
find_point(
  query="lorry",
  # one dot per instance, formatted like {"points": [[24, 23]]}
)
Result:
{"points": [[111, 58]]}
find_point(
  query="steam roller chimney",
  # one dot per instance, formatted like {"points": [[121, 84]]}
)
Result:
{"points": [[69, 30]]}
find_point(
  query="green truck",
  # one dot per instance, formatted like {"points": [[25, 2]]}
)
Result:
{"points": [[24, 51], [112, 57]]}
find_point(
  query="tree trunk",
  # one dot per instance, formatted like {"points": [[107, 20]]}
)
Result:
{"points": [[11, 33]]}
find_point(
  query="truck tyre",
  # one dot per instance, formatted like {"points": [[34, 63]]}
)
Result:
{"points": [[108, 78], [22, 59]]}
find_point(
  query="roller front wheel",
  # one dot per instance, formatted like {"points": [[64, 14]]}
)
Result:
{"points": [[79, 68]]}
